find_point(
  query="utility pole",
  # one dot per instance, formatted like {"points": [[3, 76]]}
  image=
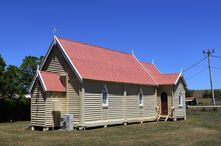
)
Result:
{"points": [[208, 53]]}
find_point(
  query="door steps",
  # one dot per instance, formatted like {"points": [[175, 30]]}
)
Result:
{"points": [[163, 118]]}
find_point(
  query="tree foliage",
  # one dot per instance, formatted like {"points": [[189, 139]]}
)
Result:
{"points": [[2, 65], [14, 84], [207, 94], [28, 70], [2, 69]]}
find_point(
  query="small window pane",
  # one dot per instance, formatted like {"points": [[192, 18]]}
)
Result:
{"points": [[180, 98], [105, 96], [141, 97]]}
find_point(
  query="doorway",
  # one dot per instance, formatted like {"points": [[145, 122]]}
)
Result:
{"points": [[164, 104]]}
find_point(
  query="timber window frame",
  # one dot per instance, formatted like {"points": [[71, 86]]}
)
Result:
{"points": [[180, 98], [105, 97], [141, 97]]}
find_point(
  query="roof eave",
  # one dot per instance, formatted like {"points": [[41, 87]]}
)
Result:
{"points": [[37, 74], [121, 82], [68, 59], [48, 52], [167, 84], [42, 81], [56, 90], [181, 76], [32, 83]]}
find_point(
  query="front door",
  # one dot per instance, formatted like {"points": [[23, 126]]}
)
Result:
{"points": [[164, 104]]}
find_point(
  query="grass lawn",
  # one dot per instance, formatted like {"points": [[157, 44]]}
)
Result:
{"points": [[200, 128]]}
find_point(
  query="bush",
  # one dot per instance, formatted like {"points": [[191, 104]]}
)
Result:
{"points": [[14, 109]]}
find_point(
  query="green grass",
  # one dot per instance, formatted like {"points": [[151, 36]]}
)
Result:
{"points": [[200, 128]]}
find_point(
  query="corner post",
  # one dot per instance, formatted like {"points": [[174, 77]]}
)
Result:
{"points": [[173, 103], [67, 97], [81, 105], [124, 102]]}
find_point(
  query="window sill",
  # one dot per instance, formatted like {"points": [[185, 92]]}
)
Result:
{"points": [[141, 106], [180, 106], [105, 106]]}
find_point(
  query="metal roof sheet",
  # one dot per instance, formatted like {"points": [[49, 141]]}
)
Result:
{"points": [[161, 79], [97, 63], [52, 81]]}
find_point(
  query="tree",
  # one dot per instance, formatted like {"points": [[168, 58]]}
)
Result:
{"points": [[217, 93], [28, 70], [206, 94], [2, 65], [2, 69], [12, 82]]}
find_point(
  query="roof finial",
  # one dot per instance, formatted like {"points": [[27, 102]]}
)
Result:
{"points": [[152, 61], [181, 71], [132, 52], [54, 30]]}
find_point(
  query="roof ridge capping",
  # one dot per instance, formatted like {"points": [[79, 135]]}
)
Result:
{"points": [[145, 69], [101, 47]]}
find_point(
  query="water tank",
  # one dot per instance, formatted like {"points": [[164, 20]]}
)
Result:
{"points": [[66, 122]]}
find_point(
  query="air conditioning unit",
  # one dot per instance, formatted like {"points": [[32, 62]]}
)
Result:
{"points": [[66, 122]]}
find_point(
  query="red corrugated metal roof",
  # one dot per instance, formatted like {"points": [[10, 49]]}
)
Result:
{"points": [[167, 79], [161, 79], [97, 63], [52, 81], [151, 68]]}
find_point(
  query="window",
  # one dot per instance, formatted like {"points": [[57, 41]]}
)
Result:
{"points": [[141, 97], [105, 96], [180, 98]]}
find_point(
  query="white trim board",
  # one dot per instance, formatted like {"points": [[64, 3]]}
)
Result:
{"points": [[180, 76], [69, 60], [42, 81], [38, 74], [33, 82], [47, 54], [145, 69]]}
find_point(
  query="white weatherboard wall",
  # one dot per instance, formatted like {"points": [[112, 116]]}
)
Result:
{"points": [[38, 106], [180, 111], [123, 104], [56, 63]]}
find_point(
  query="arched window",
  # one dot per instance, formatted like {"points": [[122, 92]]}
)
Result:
{"points": [[141, 97], [180, 98], [105, 96]]}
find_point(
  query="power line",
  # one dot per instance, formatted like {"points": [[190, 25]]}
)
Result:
{"points": [[197, 73], [216, 67], [216, 56], [194, 64]]}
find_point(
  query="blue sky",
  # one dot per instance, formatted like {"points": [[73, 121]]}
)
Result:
{"points": [[171, 32]]}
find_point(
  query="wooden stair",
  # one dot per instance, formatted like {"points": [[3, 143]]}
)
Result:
{"points": [[163, 118]]}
